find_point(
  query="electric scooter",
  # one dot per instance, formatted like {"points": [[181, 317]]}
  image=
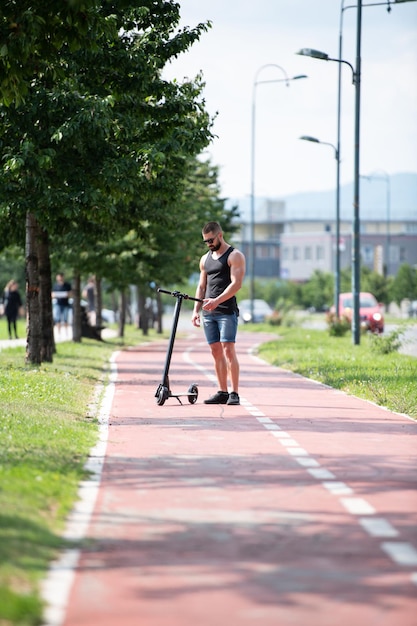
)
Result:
{"points": [[164, 392]]}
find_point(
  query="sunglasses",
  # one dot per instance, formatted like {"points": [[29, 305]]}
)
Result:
{"points": [[209, 241]]}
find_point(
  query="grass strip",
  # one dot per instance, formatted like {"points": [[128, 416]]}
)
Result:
{"points": [[389, 380]]}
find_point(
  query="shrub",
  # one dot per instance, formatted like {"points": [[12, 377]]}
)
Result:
{"points": [[385, 344], [338, 326]]}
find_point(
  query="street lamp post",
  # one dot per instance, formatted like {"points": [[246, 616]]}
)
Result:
{"points": [[382, 175], [337, 254], [257, 82], [317, 54]]}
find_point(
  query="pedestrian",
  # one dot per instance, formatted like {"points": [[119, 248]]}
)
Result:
{"points": [[12, 304], [61, 293], [222, 269]]}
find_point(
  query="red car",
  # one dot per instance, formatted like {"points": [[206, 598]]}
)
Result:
{"points": [[371, 315]]}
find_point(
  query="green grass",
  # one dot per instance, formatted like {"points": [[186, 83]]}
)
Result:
{"points": [[389, 380], [46, 432]]}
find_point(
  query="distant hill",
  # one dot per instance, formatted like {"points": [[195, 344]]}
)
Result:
{"points": [[400, 192]]}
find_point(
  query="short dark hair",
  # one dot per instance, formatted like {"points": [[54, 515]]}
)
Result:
{"points": [[212, 227]]}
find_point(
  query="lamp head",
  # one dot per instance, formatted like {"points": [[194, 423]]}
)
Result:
{"points": [[299, 76], [315, 54], [308, 138]]}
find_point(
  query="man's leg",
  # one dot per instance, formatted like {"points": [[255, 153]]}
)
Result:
{"points": [[232, 364], [220, 364]]}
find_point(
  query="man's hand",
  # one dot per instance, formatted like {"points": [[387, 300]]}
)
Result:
{"points": [[209, 304], [195, 320]]}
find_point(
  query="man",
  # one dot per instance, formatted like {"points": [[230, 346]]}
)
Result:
{"points": [[222, 270], [61, 293]]}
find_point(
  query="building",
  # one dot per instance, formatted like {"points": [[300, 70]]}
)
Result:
{"points": [[295, 236]]}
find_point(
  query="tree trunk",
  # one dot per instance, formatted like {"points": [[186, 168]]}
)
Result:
{"points": [[159, 312], [122, 316], [76, 308], [34, 326], [143, 314], [45, 286], [99, 304]]}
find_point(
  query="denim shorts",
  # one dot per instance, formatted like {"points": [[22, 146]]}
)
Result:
{"points": [[220, 327]]}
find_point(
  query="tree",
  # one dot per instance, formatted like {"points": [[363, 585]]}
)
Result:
{"points": [[32, 36], [404, 284], [318, 291], [95, 149]]}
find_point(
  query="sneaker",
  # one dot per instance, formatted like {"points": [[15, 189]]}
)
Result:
{"points": [[233, 398], [220, 397]]}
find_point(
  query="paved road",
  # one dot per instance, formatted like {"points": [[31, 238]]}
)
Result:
{"points": [[297, 507]]}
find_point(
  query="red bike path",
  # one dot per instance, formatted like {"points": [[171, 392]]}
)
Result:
{"points": [[297, 507]]}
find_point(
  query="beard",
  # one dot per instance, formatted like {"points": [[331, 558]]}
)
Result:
{"points": [[216, 247]]}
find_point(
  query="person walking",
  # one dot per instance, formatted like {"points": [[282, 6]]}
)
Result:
{"points": [[12, 304], [222, 270]]}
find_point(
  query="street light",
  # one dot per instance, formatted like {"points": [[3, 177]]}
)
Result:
{"points": [[337, 257], [257, 82], [323, 56], [382, 175]]}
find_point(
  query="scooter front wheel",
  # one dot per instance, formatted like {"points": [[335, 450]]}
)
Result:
{"points": [[161, 395]]}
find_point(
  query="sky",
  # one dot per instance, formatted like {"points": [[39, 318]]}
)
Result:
{"points": [[247, 36]]}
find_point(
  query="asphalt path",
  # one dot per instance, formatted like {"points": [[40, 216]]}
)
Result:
{"points": [[297, 507]]}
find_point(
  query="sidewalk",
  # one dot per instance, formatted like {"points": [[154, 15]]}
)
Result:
{"points": [[297, 507]]}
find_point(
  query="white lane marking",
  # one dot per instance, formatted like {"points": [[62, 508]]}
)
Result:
{"points": [[402, 553], [289, 443], [298, 452], [337, 488], [321, 473], [357, 506], [378, 527], [271, 427], [307, 462], [56, 586]]}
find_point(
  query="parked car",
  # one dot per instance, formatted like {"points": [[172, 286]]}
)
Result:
{"points": [[371, 314], [261, 311]]}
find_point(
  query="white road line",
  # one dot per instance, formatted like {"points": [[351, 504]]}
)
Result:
{"points": [[357, 506], [378, 527], [402, 553], [57, 585], [289, 443], [337, 488], [321, 473], [307, 462], [298, 452]]}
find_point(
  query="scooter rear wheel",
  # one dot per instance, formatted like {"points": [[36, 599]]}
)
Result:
{"points": [[193, 391]]}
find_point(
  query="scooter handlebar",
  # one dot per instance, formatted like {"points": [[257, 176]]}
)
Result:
{"points": [[177, 294]]}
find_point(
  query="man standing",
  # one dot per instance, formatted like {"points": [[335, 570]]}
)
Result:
{"points": [[61, 293], [222, 270]]}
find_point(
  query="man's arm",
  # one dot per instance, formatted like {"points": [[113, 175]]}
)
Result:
{"points": [[200, 292]]}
